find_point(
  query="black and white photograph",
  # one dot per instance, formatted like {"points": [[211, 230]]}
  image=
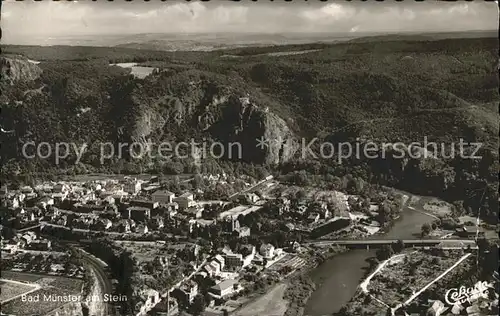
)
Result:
{"points": [[249, 158]]}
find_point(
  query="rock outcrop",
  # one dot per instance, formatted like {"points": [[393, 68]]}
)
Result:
{"points": [[18, 69], [217, 111], [165, 107]]}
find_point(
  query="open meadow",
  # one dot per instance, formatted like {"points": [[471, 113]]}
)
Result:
{"points": [[37, 286], [11, 289]]}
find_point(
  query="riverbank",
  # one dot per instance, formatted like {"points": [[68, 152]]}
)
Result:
{"points": [[297, 294], [289, 297], [337, 280], [301, 286]]}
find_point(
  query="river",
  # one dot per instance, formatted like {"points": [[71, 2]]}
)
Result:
{"points": [[338, 278]]}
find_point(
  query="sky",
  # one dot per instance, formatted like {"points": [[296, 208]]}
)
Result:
{"points": [[28, 21]]}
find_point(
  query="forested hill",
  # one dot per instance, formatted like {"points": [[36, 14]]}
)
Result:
{"points": [[390, 91]]}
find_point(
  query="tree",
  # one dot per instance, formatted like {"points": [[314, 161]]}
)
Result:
{"points": [[398, 246], [385, 252], [385, 213], [198, 305], [426, 229]]}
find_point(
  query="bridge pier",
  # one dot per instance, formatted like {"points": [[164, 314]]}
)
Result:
{"points": [[367, 247]]}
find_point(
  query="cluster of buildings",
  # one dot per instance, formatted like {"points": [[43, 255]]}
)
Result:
{"points": [[132, 206], [120, 206], [313, 218], [124, 206], [26, 241], [224, 269], [232, 225], [31, 253]]}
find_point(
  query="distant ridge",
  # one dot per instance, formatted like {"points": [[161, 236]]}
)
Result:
{"points": [[425, 36], [216, 41]]}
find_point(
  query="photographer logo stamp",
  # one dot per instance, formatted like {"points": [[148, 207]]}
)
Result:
{"points": [[461, 295]]}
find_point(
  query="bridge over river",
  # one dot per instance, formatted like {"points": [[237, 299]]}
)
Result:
{"points": [[415, 243]]}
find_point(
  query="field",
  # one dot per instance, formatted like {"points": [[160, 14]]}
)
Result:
{"points": [[47, 285], [12, 289], [21, 276], [17, 307], [270, 304], [69, 284]]}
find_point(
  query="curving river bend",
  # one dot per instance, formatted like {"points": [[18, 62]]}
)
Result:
{"points": [[338, 278]]}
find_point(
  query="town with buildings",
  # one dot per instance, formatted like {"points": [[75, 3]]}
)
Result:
{"points": [[187, 253], [210, 244]]}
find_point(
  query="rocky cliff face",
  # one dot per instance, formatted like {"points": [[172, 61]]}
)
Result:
{"points": [[198, 108], [175, 107], [18, 69]]}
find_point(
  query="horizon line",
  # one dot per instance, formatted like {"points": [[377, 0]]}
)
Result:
{"points": [[274, 33]]}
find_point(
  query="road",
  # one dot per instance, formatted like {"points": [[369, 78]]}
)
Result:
{"points": [[29, 228]]}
